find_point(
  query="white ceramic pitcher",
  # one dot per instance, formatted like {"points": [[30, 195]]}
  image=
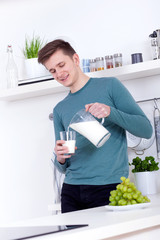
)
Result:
{"points": [[84, 123]]}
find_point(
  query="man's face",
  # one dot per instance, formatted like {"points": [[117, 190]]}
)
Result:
{"points": [[63, 68]]}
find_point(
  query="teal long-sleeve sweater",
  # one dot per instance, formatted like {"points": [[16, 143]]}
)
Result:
{"points": [[104, 165]]}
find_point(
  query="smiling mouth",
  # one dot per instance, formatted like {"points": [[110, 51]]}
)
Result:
{"points": [[64, 79]]}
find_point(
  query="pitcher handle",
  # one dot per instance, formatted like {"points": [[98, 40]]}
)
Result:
{"points": [[102, 121]]}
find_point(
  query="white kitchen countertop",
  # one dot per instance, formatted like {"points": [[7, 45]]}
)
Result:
{"points": [[103, 224]]}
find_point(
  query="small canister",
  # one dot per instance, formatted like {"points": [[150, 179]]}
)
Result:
{"points": [[109, 61], [92, 65], [136, 58], [117, 59], [85, 65], [99, 63]]}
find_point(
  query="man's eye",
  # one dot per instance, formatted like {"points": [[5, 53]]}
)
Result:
{"points": [[52, 71], [62, 65]]}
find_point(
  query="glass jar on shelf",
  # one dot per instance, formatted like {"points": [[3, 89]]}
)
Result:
{"points": [[92, 65], [99, 63], [118, 59], [109, 61]]}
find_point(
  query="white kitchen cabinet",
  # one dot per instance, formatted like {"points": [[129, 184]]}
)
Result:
{"points": [[127, 72]]}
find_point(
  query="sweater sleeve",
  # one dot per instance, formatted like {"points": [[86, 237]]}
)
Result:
{"points": [[58, 126], [126, 113]]}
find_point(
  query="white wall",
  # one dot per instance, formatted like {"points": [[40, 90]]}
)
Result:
{"points": [[95, 28]]}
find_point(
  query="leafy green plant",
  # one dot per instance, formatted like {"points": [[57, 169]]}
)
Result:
{"points": [[148, 164], [32, 47]]}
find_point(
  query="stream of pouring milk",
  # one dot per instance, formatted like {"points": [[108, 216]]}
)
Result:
{"points": [[93, 131]]}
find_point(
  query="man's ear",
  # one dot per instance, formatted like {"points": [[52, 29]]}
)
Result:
{"points": [[76, 59]]}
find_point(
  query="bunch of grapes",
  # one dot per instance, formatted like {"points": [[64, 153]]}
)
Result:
{"points": [[126, 194]]}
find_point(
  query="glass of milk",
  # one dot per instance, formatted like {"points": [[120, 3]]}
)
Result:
{"points": [[70, 140]]}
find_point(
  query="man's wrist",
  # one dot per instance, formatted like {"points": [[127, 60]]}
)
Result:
{"points": [[62, 163]]}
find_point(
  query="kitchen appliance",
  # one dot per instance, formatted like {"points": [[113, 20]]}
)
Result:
{"points": [[84, 123], [155, 44], [139, 144]]}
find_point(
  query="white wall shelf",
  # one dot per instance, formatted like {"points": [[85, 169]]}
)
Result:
{"points": [[127, 72], [31, 90], [132, 71]]}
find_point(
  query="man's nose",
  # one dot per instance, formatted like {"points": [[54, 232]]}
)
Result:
{"points": [[59, 73]]}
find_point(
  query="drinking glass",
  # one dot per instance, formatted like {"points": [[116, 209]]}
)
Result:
{"points": [[70, 140]]}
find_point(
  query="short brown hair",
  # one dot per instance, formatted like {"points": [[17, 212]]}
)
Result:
{"points": [[46, 52]]}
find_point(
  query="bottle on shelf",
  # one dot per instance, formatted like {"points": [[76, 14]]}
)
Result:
{"points": [[11, 70]]}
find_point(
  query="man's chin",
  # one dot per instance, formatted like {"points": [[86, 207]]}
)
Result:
{"points": [[65, 84]]}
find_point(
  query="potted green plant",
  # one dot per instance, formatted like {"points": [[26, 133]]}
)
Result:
{"points": [[145, 173], [32, 47], [30, 51]]}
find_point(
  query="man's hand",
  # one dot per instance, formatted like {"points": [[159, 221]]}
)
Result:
{"points": [[99, 110], [60, 150]]}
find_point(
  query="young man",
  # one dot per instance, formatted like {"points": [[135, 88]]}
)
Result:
{"points": [[92, 172]]}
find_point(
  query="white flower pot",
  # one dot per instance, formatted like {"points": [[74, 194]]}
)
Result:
{"points": [[34, 69], [146, 182]]}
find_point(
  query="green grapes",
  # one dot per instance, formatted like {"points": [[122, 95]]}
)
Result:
{"points": [[126, 193]]}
